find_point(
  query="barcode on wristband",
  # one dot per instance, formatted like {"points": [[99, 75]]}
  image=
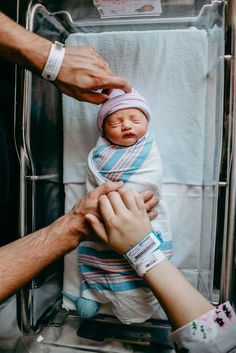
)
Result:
{"points": [[148, 245], [150, 263]]}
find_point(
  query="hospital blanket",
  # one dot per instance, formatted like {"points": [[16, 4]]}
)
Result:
{"points": [[177, 71], [169, 68], [138, 166], [105, 275]]}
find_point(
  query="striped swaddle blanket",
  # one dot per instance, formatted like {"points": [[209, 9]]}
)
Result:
{"points": [[105, 275], [139, 167], [120, 163]]}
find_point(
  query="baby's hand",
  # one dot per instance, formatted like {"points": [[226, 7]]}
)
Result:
{"points": [[150, 201]]}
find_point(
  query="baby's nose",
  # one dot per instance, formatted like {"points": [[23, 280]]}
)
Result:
{"points": [[126, 125]]}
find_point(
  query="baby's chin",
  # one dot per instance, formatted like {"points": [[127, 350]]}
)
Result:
{"points": [[125, 141], [128, 141]]}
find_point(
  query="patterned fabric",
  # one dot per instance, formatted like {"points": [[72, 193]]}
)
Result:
{"points": [[139, 167], [106, 276], [214, 332], [120, 163], [103, 269]]}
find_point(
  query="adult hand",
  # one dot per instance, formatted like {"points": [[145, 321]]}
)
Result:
{"points": [[149, 199], [89, 204], [125, 218], [83, 72]]}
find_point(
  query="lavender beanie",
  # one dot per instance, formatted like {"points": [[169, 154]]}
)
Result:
{"points": [[118, 100]]}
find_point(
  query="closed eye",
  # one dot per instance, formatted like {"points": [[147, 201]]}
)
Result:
{"points": [[136, 120], [114, 124]]}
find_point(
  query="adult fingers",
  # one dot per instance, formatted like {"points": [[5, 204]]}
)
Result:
{"points": [[129, 198], [105, 84], [97, 226], [107, 187], [106, 209], [115, 82], [116, 202], [92, 97]]}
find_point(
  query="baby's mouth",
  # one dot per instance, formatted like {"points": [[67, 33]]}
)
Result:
{"points": [[129, 134]]}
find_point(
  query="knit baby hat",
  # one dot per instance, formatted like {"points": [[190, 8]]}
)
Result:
{"points": [[118, 100]]}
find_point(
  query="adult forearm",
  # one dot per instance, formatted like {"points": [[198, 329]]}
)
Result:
{"points": [[82, 71], [23, 259], [22, 47], [180, 300], [126, 225]]}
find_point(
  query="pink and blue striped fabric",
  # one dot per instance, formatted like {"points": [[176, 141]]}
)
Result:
{"points": [[103, 269], [120, 163]]}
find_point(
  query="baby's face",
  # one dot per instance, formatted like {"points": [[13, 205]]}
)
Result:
{"points": [[125, 126]]}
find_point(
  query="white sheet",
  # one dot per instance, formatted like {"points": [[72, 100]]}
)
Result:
{"points": [[170, 69]]}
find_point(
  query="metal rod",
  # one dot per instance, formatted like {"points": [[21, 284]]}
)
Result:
{"points": [[108, 21], [42, 177], [229, 233], [223, 184]]}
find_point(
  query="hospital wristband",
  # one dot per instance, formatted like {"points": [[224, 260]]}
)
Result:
{"points": [[54, 61], [155, 258], [142, 249]]}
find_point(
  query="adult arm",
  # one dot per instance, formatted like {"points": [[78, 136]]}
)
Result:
{"points": [[23, 259], [199, 327], [83, 70], [125, 224]]}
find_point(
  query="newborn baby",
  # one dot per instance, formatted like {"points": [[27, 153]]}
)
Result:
{"points": [[125, 151]]}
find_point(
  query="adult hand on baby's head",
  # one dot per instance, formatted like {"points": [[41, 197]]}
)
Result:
{"points": [[84, 72], [125, 219]]}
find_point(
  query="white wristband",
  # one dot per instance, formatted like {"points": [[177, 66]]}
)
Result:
{"points": [[54, 62], [152, 260], [145, 247]]}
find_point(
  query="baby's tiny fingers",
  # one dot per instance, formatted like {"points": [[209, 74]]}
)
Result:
{"points": [[152, 214], [150, 204]]}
